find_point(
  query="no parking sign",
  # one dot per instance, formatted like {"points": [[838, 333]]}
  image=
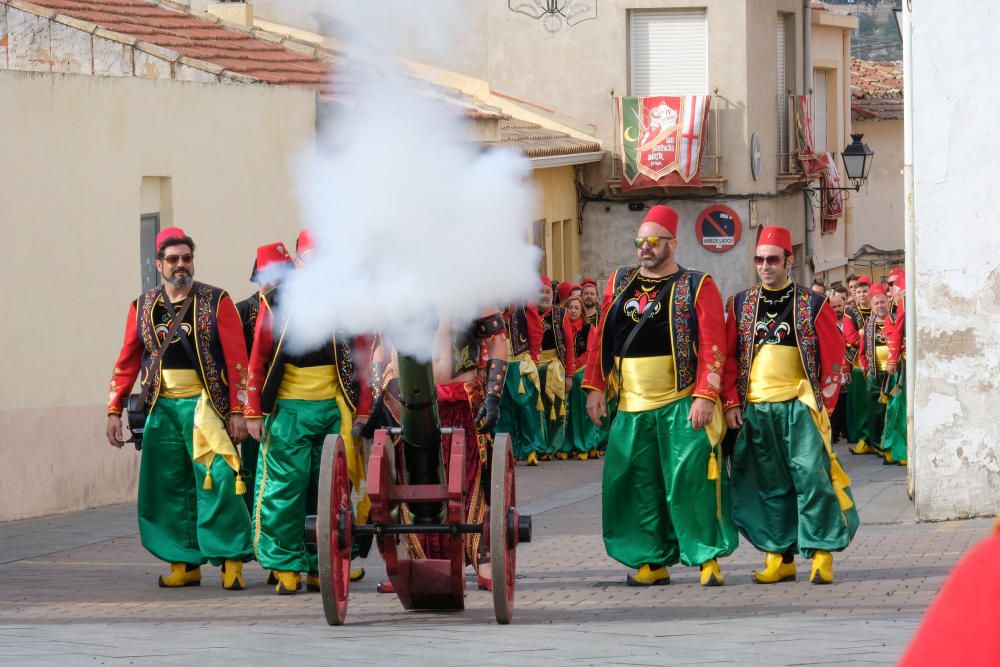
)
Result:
{"points": [[718, 228]]}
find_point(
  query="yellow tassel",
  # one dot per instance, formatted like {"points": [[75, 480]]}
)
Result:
{"points": [[552, 413], [713, 467], [207, 485], [562, 409], [541, 408], [520, 385], [241, 488]]}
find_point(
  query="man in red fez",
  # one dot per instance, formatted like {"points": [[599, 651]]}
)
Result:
{"points": [[856, 317], [873, 354], [555, 364], [660, 345], [189, 506], [782, 380], [591, 300], [271, 260], [894, 438], [295, 399]]}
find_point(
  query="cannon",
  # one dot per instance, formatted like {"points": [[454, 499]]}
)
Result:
{"points": [[414, 496]]}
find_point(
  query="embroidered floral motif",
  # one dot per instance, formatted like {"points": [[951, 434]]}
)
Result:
{"points": [[345, 366], [748, 315], [207, 301], [808, 340]]}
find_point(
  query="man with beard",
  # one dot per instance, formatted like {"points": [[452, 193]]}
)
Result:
{"points": [[874, 355], [189, 506], [855, 318], [661, 344], [591, 302], [554, 367], [782, 381]]}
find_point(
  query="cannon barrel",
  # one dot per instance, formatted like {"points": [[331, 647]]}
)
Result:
{"points": [[421, 434]]}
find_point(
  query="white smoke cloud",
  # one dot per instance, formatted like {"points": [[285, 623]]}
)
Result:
{"points": [[412, 219]]}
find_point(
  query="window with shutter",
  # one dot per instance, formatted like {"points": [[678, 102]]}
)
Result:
{"points": [[820, 115], [668, 52], [783, 109]]}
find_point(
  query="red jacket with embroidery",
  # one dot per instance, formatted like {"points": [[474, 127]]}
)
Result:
{"points": [[228, 333], [709, 347], [820, 343], [567, 356]]}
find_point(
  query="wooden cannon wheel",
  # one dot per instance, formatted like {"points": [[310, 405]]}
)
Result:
{"points": [[503, 537], [334, 523]]}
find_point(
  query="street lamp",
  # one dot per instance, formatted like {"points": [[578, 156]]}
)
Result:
{"points": [[857, 161]]}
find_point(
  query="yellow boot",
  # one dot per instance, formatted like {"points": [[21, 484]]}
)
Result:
{"points": [[312, 582], [902, 462], [582, 456], [288, 582], [358, 574], [862, 448], [180, 576], [649, 576], [232, 575], [562, 456], [594, 453], [532, 459], [822, 569], [775, 570], [711, 574]]}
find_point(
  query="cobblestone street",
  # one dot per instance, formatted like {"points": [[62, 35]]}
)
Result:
{"points": [[79, 589]]}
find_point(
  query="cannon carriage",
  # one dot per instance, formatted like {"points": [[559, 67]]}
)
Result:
{"points": [[410, 495]]}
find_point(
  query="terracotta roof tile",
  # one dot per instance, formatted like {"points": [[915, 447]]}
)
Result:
{"points": [[876, 89], [533, 140], [199, 38]]}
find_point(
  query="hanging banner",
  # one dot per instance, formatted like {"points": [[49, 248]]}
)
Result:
{"points": [[812, 164], [833, 200], [661, 140]]}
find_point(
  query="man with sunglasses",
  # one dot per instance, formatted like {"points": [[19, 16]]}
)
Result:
{"points": [[782, 380], [855, 319], [660, 344], [189, 507]]}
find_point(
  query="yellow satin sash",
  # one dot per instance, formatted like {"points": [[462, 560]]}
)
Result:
{"points": [[311, 383], [179, 383], [526, 366], [210, 439], [320, 383], [882, 356], [648, 383], [555, 377], [775, 374]]}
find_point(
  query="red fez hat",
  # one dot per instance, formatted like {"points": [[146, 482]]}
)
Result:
{"points": [[305, 241], [588, 281], [878, 288], [546, 281], [168, 233], [664, 216], [863, 280], [270, 255], [778, 236], [565, 289]]}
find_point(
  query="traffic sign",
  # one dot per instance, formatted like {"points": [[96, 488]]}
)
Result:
{"points": [[718, 228]]}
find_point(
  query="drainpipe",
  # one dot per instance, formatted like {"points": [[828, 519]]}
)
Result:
{"points": [[909, 236], [807, 84]]}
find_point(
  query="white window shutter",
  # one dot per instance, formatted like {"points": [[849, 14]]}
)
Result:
{"points": [[819, 110], [782, 85], [668, 52]]}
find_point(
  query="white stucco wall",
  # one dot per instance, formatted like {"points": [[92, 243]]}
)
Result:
{"points": [[956, 462]]}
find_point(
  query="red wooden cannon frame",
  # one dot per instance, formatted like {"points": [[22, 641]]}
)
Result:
{"points": [[420, 583]]}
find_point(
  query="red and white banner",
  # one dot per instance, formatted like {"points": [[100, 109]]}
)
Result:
{"points": [[833, 201], [662, 139]]}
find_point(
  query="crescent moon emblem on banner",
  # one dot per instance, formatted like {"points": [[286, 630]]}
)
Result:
{"points": [[628, 138]]}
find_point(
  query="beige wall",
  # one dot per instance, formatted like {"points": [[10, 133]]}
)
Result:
{"points": [[558, 207], [71, 187], [878, 208]]}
